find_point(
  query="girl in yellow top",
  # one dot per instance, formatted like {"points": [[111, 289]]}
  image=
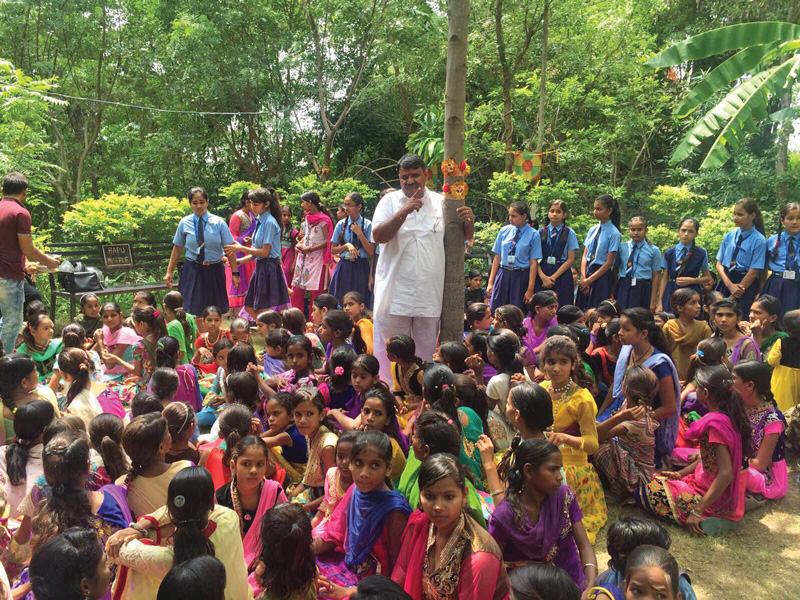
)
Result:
{"points": [[355, 306], [574, 426], [784, 357]]}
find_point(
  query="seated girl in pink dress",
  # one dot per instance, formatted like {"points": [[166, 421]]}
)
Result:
{"points": [[689, 497], [367, 524], [767, 475], [445, 553]]}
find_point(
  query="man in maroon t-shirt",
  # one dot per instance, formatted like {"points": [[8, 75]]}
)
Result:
{"points": [[16, 243]]}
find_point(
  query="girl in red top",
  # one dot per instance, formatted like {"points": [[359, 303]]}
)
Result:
{"points": [[203, 357]]}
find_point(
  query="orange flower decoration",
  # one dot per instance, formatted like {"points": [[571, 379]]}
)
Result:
{"points": [[459, 190], [449, 167]]}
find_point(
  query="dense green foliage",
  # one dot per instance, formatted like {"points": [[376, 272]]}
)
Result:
{"points": [[351, 87]]}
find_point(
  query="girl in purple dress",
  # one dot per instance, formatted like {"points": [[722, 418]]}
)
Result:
{"points": [[539, 519]]}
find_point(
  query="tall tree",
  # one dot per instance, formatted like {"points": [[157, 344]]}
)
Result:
{"points": [[343, 39], [543, 78], [510, 65], [454, 101]]}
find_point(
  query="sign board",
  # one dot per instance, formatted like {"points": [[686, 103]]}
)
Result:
{"points": [[117, 255]]}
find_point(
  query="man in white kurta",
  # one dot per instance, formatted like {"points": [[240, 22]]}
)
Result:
{"points": [[409, 279]]}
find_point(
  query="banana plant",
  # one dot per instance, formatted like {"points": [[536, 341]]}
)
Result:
{"points": [[765, 66]]}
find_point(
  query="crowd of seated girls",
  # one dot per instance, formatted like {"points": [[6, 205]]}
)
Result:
{"points": [[203, 468]]}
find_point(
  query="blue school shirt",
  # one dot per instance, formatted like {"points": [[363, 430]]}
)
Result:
{"points": [[608, 241], [527, 248], [215, 234], [682, 251], [752, 253], [267, 232], [646, 260], [350, 237], [778, 264], [554, 238]]}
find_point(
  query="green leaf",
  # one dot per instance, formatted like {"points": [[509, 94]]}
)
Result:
{"points": [[730, 70], [742, 106], [793, 112], [725, 39]]}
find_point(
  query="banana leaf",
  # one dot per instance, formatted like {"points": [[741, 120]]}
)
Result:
{"points": [[746, 104], [724, 39], [732, 69]]}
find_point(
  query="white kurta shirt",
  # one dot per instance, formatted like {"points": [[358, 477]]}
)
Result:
{"points": [[409, 280]]}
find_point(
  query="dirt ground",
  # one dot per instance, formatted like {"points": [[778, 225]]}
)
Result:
{"points": [[759, 560]]}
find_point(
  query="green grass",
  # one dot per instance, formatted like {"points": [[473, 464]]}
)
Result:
{"points": [[759, 560]]}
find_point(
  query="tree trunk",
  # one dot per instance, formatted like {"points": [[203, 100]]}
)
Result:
{"points": [[455, 97], [508, 125], [543, 79], [782, 159]]}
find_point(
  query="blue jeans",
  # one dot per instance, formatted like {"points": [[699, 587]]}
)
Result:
{"points": [[12, 299]]}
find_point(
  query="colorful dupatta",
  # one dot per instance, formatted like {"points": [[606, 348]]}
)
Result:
{"points": [[358, 522], [111, 339], [271, 494], [45, 360], [322, 218], [367, 515], [667, 432], [716, 427], [736, 351], [549, 540], [471, 568]]}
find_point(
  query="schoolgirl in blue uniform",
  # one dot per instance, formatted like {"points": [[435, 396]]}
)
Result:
{"points": [[601, 245], [742, 255], [203, 235], [352, 241], [639, 265], [559, 244], [267, 287], [517, 251], [685, 264], [783, 260]]}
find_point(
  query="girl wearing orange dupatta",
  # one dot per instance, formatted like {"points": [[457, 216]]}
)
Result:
{"points": [[314, 252], [445, 554]]}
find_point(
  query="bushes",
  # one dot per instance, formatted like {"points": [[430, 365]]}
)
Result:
{"points": [[332, 193], [232, 194], [115, 217], [669, 204]]}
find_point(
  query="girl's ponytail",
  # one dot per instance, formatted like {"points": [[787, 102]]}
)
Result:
{"points": [[190, 499], [75, 363], [167, 349], [750, 205], [105, 433], [174, 301], [234, 424], [506, 346], [30, 421], [439, 386], [141, 440], [610, 202], [504, 466], [340, 367]]}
